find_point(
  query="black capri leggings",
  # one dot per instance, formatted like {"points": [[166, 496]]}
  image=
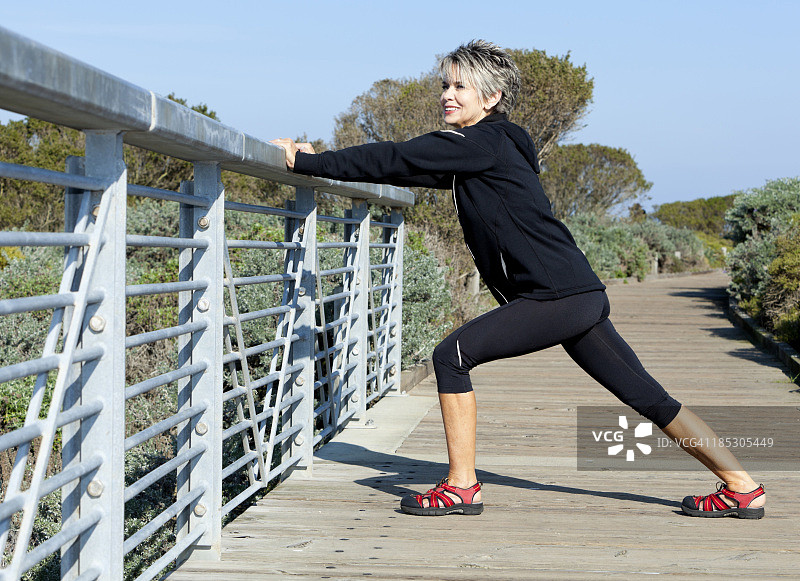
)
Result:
{"points": [[579, 323]]}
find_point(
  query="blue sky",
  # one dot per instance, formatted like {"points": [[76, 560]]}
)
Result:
{"points": [[702, 93]]}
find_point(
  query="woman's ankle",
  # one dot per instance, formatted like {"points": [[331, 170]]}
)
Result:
{"points": [[461, 480]]}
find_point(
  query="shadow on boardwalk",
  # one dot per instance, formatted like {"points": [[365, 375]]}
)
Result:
{"points": [[426, 472], [544, 519]]}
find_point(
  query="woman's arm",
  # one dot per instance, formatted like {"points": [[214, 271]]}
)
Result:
{"points": [[429, 160]]}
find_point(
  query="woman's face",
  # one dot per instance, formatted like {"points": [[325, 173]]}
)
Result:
{"points": [[461, 103]]}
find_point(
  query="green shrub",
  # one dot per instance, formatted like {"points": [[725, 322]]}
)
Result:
{"points": [[611, 248], [426, 302], [664, 241], [756, 211], [715, 248], [765, 264], [781, 302]]}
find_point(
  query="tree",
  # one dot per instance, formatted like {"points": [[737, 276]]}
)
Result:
{"points": [[591, 179], [702, 215], [553, 99]]}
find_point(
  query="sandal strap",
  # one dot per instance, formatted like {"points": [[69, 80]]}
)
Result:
{"points": [[714, 501], [743, 498], [438, 499]]}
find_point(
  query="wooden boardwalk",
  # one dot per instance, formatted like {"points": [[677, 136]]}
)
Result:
{"points": [[543, 518]]}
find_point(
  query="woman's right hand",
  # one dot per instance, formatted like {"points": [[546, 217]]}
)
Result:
{"points": [[291, 148]]}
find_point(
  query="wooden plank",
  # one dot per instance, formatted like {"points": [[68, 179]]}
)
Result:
{"points": [[544, 519]]}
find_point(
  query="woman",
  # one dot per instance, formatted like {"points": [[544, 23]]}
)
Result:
{"points": [[548, 293]]}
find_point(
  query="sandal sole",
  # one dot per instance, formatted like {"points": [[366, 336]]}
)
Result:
{"points": [[750, 513], [465, 509]]}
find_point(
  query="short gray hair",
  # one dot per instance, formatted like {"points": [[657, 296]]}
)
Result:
{"points": [[486, 67]]}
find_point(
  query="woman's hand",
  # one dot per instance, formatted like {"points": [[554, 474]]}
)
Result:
{"points": [[291, 148]]}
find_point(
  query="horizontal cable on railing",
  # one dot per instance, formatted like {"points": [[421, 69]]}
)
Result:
{"points": [[341, 270], [72, 473], [285, 403], [261, 417], [253, 315], [175, 552], [237, 428], [334, 349], [164, 379], [79, 412], [45, 364], [377, 330], [331, 325], [45, 302], [338, 220], [36, 174], [381, 287], [275, 375], [231, 468], [169, 195], [155, 475], [61, 538], [168, 333], [264, 245], [283, 341], [9, 238], [164, 425], [289, 432], [337, 244], [382, 266], [377, 310], [334, 297], [374, 224], [246, 280], [327, 380], [244, 495], [349, 391], [138, 290], [136, 241], [347, 415], [263, 210], [168, 513], [322, 434], [382, 245], [26, 433]]}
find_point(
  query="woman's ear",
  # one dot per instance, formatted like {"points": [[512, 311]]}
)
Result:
{"points": [[494, 99]]}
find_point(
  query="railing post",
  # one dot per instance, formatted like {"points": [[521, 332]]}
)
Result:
{"points": [[304, 349], [394, 356], [104, 379], [358, 376], [205, 388], [71, 433]]}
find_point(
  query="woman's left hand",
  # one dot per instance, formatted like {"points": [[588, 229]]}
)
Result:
{"points": [[291, 148]]}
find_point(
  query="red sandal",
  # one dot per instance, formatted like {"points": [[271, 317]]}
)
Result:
{"points": [[441, 501], [713, 505]]}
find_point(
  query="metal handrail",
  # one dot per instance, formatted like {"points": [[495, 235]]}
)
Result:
{"points": [[257, 384]]}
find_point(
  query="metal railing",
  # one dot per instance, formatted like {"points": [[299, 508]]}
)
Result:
{"points": [[270, 363]]}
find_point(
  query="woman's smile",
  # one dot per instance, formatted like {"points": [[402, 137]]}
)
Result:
{"points": [[461, 103]]}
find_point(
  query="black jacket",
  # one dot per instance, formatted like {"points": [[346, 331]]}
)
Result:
{"points": [[519, 247]]}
